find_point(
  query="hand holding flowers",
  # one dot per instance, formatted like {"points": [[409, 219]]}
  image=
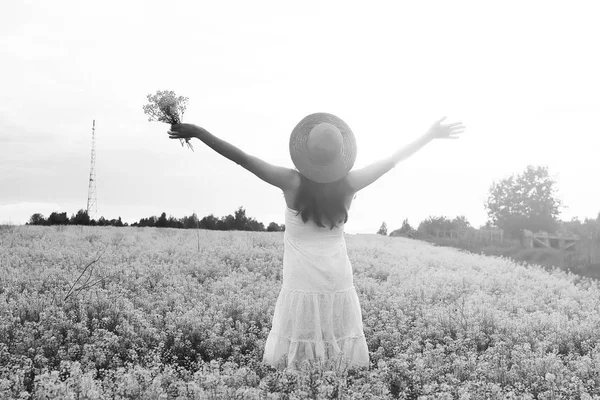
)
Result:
{"points": [[165, 106], [184, 131]]}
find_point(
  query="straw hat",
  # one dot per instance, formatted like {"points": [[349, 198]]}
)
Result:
{"points": [[323, 147]]}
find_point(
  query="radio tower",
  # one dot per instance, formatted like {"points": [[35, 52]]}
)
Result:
{"points": [[92, 207]]}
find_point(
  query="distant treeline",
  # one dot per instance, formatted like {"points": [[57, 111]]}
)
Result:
{"points": [[236, 222], [525, 201], [81, 218], [433, 225]]}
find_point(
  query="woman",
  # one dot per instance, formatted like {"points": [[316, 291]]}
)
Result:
{"points": [[317, 314]]}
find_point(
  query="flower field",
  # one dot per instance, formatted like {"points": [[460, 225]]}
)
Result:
{"points": [[146, 313]]}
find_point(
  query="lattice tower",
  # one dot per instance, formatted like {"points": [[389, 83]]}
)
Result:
{"points": [[92, 207]]}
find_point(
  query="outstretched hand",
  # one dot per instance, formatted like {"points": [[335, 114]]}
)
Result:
{"points": [[184, 132], [445, 131]]}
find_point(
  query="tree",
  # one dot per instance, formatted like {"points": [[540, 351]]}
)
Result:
{"points": [[209, 222], [487, 226], [81, 218], [37, 219], [173, 222], [406, 230], [526, 201], [226, 223], [586, 229], [191, 222], [433, 225], [460, 223], [162, 221], [58, 219], [240, 220], [254, 225], [275, 227], [382, 229], [150, 221]]}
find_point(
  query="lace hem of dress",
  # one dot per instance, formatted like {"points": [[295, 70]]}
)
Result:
{"points": [[292, 340], [281, 352], [316, 316], [318, 292]]}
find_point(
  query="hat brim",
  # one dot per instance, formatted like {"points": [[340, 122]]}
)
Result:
{"points": [[339, 167]]}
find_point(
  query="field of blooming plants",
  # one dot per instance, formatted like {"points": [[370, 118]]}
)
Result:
{"points": [[129, 313]]}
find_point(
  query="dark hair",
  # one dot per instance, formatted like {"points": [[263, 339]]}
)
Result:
{"points": [[323, 202]]}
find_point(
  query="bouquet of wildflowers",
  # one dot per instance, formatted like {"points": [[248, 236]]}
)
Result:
{"points": [[165, 106]]}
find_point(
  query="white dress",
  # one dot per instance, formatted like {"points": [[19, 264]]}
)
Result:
{"points": [[317, 314]]}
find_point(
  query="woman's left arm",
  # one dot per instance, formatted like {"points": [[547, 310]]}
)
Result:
{"points": [[363, 177], [283, 178]]}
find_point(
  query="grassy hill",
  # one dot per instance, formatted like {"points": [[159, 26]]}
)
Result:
{"points": [[582, 260], [95, 313]]}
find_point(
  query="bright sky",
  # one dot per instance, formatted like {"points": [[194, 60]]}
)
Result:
{"points": [[522, 76]]}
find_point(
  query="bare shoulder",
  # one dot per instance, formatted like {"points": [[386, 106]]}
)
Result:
{"points": [[358, 179], [282, 177], [291, 190], [348, 200], [294, 182]]}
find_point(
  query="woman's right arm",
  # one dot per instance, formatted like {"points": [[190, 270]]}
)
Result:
{"points": [[283, 178], [361, 178], [226, 149]]}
